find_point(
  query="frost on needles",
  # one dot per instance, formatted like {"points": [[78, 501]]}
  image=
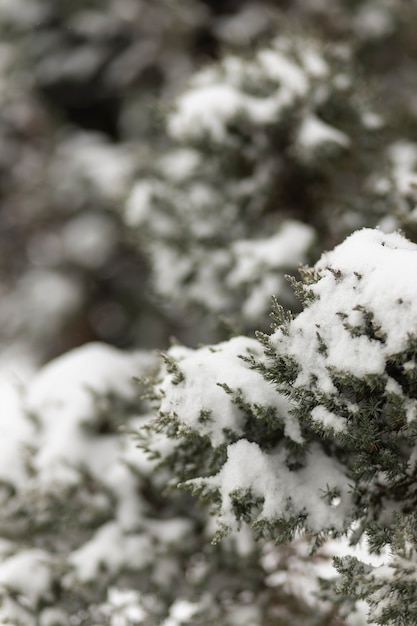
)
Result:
{"points": [[313, 427]]}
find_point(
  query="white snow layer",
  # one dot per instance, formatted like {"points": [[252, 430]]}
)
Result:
{"points": [[88, 158], [16, 432], [371, 274], [260, 263], [112, 550], [60, 409], [314, 132], [28, 573], [213, 99], [194, 397], [61, 396], [284, 493], [203, 371]]}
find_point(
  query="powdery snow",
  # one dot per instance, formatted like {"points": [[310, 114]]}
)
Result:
{"points": [[89, 239], [282, 249], [262, 263], [90, 159], [62, 397], [284, 492], [369, 272], [16, 432], [181, 612], [314, 132], [123, 607], [214, 98], [203, 370], [206, 110], [111, 549], [27, 572]]}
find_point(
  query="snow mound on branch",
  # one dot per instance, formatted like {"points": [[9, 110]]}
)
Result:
{"points": [[283, 492], [27, 573], [62, 397], [208, 106], [192, 394], [368, 279], [199, 401]]}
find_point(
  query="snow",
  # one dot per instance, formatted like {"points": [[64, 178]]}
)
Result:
{"points": [[21, 12], [353, 279], [62, 397], [203, 370], [263, 261], [314, 132], [28, 573], [359, 615], [89, 239], [53, 617], [170, 531], [180, 164], [282, 249], [200, 249], [372, 120], [139, 203], [90, 159], [284, 492], [216, 97], [296, 572], [278, 67], [16, 432], [31, 302], [181, 612], [372, 21], [205, 110], [314, 62], [243, 27], [172, 268], [403, 156], [123, 607], [111, 549], [328, 419]]}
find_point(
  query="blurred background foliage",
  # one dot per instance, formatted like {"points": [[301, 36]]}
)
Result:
{"points": [[84, 88]]}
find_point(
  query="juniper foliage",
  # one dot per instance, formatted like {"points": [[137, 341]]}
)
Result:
{"points": [[175, 166]]}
